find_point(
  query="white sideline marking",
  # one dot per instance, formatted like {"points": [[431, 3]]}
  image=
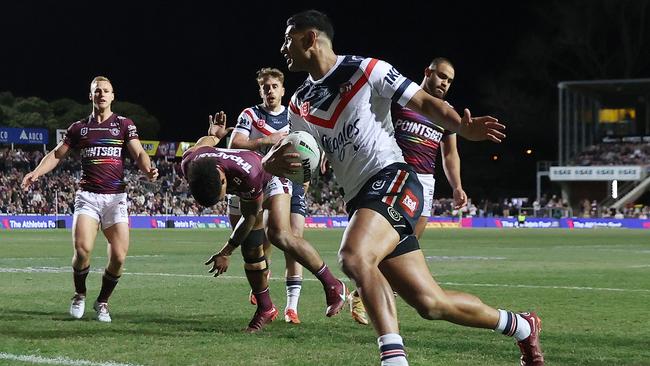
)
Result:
{"points": [[58, 360], [441, 258], [68, 270], [67, 257], [547, 287]]}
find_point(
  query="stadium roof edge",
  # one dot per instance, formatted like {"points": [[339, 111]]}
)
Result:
{"points": [[602, 82]]}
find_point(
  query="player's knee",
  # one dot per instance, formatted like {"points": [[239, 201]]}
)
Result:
{"points": [[117, 260], [432, 309], [280, 238], [81, 251], [353, 264]]}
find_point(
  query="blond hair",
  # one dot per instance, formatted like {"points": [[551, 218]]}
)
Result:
{"points": [[98, 79], [267, 72]]}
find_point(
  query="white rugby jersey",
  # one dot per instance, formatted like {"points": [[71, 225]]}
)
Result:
{"points": [[348, 112], [256, 122]]}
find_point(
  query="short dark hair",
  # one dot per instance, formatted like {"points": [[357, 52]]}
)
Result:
{"points": [[205, 181], [440, 60], [312, 19]]}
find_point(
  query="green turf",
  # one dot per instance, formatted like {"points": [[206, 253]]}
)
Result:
{"points": [[591, 288]]}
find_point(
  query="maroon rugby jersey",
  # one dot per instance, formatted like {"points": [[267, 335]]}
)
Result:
{"points": [[245, 176], [102, 147]]}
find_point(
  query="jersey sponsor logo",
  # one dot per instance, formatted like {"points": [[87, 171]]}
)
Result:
{"points": [[246, 166], [396, 216], [337, 144], [101, 151], [345, 88], [304, 109], [392, 76], [84, 131], [419, 129], [409, 202]]}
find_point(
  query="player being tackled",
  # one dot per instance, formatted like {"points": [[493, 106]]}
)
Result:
{"points": [[265, 202]]}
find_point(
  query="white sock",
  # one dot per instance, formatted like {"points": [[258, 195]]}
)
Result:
{"points": [[391, 350], [513, 325], [294, 285]]}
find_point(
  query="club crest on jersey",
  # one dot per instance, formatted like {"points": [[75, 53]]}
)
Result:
{"points": [[84, 131], [345, 88], [304, 109], [260, 123], [115, 131], [409, 202]]}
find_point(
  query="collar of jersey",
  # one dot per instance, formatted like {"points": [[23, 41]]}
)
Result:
{"points": [[339, 59]]}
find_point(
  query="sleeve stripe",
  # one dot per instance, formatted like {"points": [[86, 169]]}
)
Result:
{"points": [[400, 91]]}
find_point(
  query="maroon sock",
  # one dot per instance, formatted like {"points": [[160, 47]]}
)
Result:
{"points": [[109, 281], [79, 277], [326, 277], [264, 301]]}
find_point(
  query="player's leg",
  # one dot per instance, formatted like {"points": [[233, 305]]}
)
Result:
{"points": [[293, 273], [409, 275], [234, 214], [85, 225], [115, 226], [256, 268], [278, 231], [385, 209], [368, 238]]}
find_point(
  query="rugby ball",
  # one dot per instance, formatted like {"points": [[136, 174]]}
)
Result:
{"points": [[306, 146]]}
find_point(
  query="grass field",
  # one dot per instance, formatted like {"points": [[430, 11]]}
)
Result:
{"points": [[591, 288]]}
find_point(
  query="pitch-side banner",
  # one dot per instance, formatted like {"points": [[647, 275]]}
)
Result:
{"points": [[165, 148], [597, 173], [11, 222], [11, 135]]}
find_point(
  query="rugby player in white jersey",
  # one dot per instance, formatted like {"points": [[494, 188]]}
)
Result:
{"points": [[100, 202], [345, 103], [258, 128], [420, 139]]}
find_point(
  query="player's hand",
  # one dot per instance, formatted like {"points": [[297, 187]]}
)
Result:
{"points": [[152, 174], [274, 138], [481, 128], [220, 263], [218, 125], [28, 179], [460, 198], [282, 160]]}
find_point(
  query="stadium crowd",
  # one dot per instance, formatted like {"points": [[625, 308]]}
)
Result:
{"points": [[620, 153], [169, 195]]}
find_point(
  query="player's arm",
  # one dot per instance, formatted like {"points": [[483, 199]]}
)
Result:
{"points": [[142, 159], [249, 211], [49, 162], [216, 131], [475, 129], [282, 159], [451, 166]]}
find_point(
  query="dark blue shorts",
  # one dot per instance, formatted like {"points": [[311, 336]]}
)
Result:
{"points": [[298, 202], [395, 193]]}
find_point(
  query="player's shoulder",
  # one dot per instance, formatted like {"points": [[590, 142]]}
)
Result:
{"points": [[123, 120]]}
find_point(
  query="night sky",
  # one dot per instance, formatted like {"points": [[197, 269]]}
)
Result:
{"points": [[182, 61], [185, 60]]}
